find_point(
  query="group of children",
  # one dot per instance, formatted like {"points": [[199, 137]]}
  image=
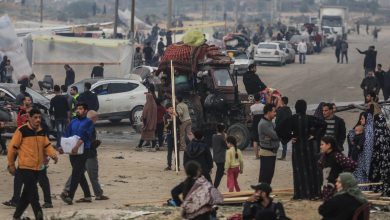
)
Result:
{"points": [[227, 157]]}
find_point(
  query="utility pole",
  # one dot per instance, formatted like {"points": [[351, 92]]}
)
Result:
{"points": [[41, 11], [236, 15], [203, 10], [169, 19], [132, 28], [116, 18]]}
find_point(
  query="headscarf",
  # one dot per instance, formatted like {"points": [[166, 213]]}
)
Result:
{"points": [[350, 187], [149, 114], [301, 107]]}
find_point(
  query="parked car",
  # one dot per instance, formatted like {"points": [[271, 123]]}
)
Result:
{"points": [[289, 50], [295, 39], [118, 98], [241, 62], [270, 52], [8, 106]]}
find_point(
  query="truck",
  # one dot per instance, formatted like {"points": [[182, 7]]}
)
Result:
{"points": [[335, 17]]}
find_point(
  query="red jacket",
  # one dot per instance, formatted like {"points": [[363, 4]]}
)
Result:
{"points": [[22, 116]]}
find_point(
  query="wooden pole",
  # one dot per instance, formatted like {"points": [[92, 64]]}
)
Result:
{"points": [[174, 118]]}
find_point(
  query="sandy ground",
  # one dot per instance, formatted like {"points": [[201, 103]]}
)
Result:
{"points": [[138, 183]]}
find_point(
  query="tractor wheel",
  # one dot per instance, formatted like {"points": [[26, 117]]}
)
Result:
{"points": [[241, 133]]}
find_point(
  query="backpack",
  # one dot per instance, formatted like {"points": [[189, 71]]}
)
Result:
{"points": [[202, 196]]}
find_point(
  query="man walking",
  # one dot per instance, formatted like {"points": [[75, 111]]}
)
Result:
{"points": [[98, 71], [369, 63], [160, 47], [83, 128], [337, 45], [344, 51], [380, 77], [91, 165], [282, 114], [302, 50], [89, 98], [9, 69], [370, 84], [59, 108], [185, 122], [70, 75], [30, 161], [335, 126], [74, 92], [269, 144]]}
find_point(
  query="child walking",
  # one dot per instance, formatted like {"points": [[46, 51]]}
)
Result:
{"points": [[332, 162], [234, 164]]}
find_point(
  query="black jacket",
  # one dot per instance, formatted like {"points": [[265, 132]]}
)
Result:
{"points": [[97, 71], [90, 99], [370, 84], [198, 151], [282, 114], [340, 132], [252, 83], [369, 59], [254, 210], [336, 208], [69, 79]]}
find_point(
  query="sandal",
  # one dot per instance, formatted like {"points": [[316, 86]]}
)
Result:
{"points": [[84, 200]]}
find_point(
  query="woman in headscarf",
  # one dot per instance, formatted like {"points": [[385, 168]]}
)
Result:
{"points": [[362, 171], [345, 202], [353, 151], [305, 132], [380, 163], [149, 119]]}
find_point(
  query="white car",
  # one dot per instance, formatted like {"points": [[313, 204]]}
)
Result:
{"points": [[118, 98], [288, 49], [270, 52], [241, 62]]}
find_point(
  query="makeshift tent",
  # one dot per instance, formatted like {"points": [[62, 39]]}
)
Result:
{"points": [[11, 47], [50, 53]]}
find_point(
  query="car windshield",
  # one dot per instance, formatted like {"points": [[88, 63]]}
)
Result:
{"points": [[241, 56], [282, 45], [327, 30], [331, 21], [267, 46], [222, 77], [80, 85]]}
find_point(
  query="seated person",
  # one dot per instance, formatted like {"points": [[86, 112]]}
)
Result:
{"points": [[260, 205], [252, 81], [349, 193]]}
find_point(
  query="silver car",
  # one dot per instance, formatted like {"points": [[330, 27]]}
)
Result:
{"points": [[289, 50], [241, 62]]}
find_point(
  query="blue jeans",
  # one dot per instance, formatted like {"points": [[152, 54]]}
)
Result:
{"points": [[302, 58], [60, 128]]}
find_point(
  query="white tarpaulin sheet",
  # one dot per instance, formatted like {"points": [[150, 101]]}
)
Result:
{"points": [[11, 47], [50, 53]]}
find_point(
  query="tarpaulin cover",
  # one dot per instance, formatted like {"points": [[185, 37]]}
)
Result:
{"points": [[193, 38], [11, 47], [186, 59], [234, 41], [50, 53]]}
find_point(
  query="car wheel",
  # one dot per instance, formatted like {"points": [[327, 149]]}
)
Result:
{"points": [[241, 133], [136, 115], [280, 63], [115, 121]]}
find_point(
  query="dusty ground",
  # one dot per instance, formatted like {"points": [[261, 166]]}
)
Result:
{"points": [[138, 183]]}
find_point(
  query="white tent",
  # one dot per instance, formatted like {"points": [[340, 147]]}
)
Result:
{"points": [[11, 47], [50, 53]]}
